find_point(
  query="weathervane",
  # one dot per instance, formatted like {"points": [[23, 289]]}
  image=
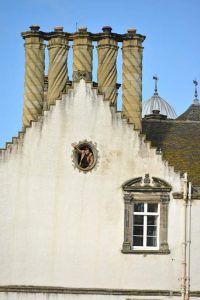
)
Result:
{"points": [[196, 100], [156, 79], [195, 91]]}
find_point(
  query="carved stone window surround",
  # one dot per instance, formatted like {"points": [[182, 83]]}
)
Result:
{"points": [[139, 190]]}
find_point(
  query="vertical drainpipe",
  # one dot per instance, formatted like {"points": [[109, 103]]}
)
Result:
{"points": [[184, 256], [189, 240], [107, 69], [58, 72], [82, 55], [132, 52], [34, 74]]}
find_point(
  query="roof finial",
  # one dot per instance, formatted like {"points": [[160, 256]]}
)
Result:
{"points": [[195, 92], [155, 89], [196, 100]]}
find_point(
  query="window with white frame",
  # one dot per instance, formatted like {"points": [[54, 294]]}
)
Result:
{"points": [[146, 202], [146, 223]]}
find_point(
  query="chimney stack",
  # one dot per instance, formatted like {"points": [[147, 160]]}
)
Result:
{"points": [[58, 46], [132, 77], [107, 70], [58, 72], [34, 74], [82, 55]]}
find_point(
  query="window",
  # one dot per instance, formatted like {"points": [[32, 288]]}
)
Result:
{"points": [[146, 221], [84, 155], [146, 204]]}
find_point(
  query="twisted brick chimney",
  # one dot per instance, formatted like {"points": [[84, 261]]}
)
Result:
{"points": [[58, 47]]}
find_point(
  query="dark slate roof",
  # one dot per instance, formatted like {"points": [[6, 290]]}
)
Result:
{"points": [[180, 143], [192, 113]]}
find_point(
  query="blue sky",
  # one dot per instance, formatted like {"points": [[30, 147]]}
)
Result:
{"points": [[171, 48]]}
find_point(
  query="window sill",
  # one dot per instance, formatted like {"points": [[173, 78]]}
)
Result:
{"points": [[145, 252]]}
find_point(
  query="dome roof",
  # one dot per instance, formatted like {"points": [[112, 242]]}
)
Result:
{"points": [[156, 103]]}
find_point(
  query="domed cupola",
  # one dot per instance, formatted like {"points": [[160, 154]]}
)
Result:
{"points": [[157, 106], [193, 112]]}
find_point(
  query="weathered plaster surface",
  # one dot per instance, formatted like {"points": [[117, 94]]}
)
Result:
{"points": [[16, 296], [62, 227]]}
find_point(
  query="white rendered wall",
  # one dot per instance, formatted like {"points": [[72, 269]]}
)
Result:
{"points": [[61, 227], [195, 246], [16, 296]]}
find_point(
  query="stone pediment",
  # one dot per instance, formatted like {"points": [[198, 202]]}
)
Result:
{"points": [[146, 184]]}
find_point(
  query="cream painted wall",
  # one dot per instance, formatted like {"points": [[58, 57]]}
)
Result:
{"points": [[65, 228], [16, 296], [195, 245]]}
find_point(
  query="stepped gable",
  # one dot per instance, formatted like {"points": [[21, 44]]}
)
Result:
{"points": [[179, 141], [51, 89], [16, 140], [12, 146]]}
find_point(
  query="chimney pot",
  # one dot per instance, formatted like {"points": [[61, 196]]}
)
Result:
{"points": [[58, 29], [107, 29], [34, 27], [131, 30], [82, 29]]}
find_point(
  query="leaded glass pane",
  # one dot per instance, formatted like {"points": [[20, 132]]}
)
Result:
{"points": [[138, 207], [151, 241], [151, 220], [138, 220], [152, 207], [138, 230], [152, 230], [138, 240]]}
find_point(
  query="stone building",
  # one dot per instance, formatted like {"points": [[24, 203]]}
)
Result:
{"points": [[98, 203]]}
